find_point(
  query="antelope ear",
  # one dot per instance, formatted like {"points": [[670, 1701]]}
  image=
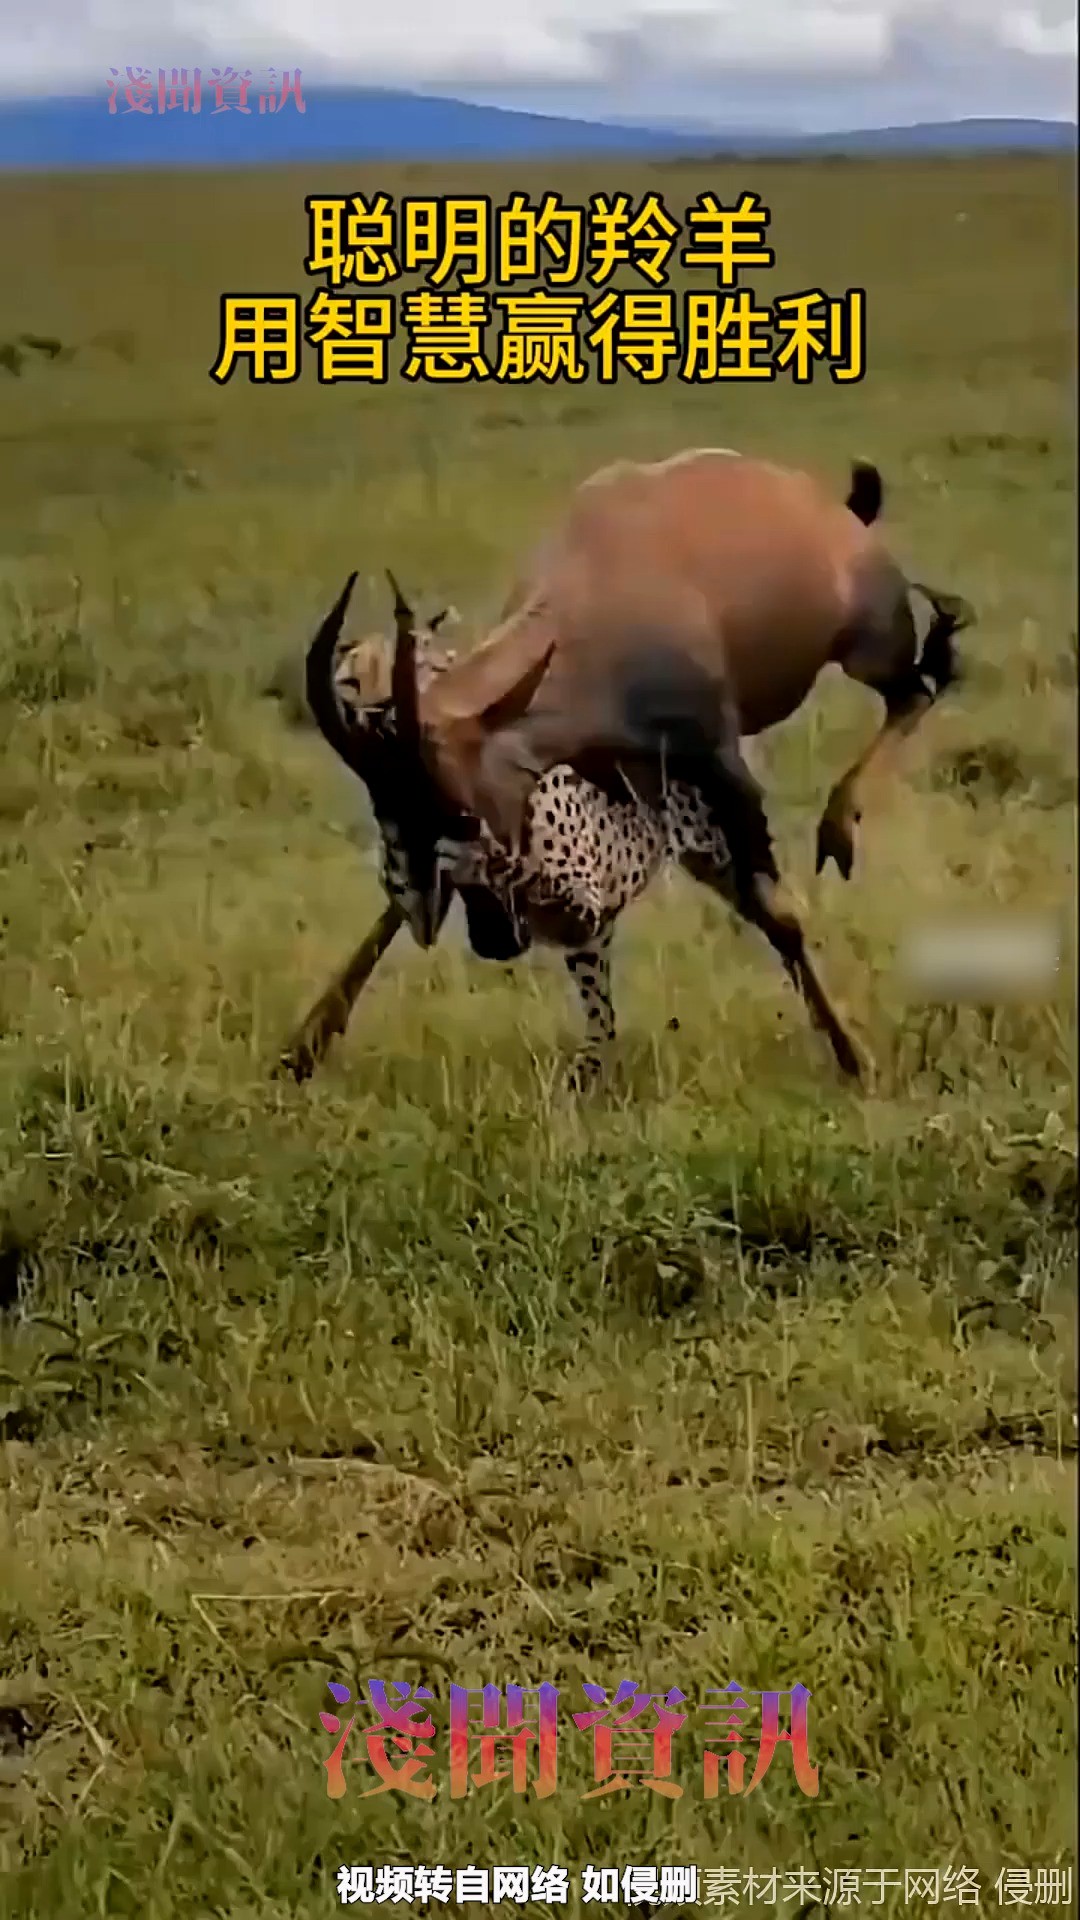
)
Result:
{"points": [[446, 617]]}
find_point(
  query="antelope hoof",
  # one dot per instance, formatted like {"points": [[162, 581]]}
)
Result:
{"points": [[835, 841], [300, 1060]]}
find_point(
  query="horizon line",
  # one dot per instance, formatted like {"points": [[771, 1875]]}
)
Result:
{"points": [[667, 126]]}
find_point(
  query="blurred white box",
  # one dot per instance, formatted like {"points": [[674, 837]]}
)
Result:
{"points": [[982, 959]]}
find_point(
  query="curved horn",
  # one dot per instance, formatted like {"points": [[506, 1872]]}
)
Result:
{"points": [[403, 683], [402, 609], [319, 678], [436, 622]]}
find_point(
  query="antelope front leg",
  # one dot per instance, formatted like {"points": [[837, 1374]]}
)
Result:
{"points": [[590, 969], [329, 1016]]}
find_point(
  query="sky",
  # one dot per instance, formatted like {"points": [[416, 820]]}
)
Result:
{"points": [[775, 64]]}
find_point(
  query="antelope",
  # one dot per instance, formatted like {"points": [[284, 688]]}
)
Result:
{"points": [[678, 610]]}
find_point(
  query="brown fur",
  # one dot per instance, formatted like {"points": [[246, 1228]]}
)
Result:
{"points": [[709, 585]]}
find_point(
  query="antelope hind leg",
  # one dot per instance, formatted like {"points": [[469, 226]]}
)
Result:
{"points": [[843, 809], [329, 1017], [884, 655]]}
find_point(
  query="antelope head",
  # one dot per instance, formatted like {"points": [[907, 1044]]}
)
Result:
{"points": [[366, 703], [418, 741]]}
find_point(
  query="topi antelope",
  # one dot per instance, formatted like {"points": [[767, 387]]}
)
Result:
{"points": [[678, 608]]}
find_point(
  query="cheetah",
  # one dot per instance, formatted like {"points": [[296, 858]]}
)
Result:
{"points": [[588, 857]]}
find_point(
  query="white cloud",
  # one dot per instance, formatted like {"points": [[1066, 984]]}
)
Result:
{"points": [[1047, 32], [845, 33], [721, 60]]}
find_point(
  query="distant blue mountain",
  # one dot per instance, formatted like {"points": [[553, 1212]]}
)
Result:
{"points": [[362, 124], [940, 136], [355, 123]]}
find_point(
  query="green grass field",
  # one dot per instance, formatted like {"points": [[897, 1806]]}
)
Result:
{"points": [[428, 1371]]}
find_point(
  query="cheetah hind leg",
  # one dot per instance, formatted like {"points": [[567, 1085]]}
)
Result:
{"points": [[590, 969]]}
